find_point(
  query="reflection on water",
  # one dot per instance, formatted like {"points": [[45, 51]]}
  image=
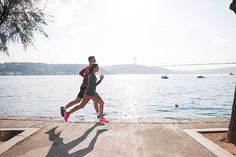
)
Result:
{"points": [[125, 96]]}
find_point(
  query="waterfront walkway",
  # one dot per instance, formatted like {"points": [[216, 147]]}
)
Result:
{"points": [[162, 137]]}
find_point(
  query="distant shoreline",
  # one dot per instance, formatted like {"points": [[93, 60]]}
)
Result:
{"points": [[31, 69]]}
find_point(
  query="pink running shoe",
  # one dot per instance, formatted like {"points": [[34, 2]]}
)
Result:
{"points": [[104, 120], [66, 116]]}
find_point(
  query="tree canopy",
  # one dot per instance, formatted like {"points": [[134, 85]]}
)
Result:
{"points": [[19, 19]]}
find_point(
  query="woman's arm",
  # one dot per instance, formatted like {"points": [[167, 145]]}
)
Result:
{"points": [[101, 78]]}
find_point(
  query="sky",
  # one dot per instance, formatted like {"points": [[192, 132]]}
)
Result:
{"points": [[155, 32]]}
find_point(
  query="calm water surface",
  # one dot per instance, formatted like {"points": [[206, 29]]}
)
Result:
{"points": [[125, 96]]}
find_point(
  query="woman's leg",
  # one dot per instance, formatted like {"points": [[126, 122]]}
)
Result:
{"points": [[95, 104], [82, 104], [77, 100], [101, 104]]}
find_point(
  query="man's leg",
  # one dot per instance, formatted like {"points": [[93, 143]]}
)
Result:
{"points": [[77, 100], [63, 109]]}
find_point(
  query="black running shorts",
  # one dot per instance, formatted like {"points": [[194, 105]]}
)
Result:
{"points": [[81, 92]]}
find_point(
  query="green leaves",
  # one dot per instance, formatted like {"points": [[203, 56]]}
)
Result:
{"points": [[19, 20]]}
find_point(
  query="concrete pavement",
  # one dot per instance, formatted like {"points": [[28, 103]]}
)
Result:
{"points": [[119, 138]]}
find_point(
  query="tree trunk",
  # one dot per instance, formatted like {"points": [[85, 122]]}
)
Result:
{"points": [[231, 135]]}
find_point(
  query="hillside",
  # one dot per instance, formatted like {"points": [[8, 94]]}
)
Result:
{"points": [[74, 69], [135, 69], [40, 69]]}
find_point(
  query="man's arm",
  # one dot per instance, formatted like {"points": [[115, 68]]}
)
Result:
{"points": [[83, 72]]}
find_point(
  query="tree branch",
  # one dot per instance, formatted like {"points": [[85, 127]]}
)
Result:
{"points": [[19, 19], [6, 11], [1, 3]]}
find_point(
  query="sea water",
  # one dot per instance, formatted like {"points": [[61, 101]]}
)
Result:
{"points": [[125, 96]]}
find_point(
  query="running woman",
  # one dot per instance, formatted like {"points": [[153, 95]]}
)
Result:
{"points": [[91, 93], [83, 87]]}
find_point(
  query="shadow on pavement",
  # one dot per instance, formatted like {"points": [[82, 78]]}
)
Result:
{"points": [[60, 149]]}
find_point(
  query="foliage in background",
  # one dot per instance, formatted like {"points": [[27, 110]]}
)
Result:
{"points": [[19, 19]]}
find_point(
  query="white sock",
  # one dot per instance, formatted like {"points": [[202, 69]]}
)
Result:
{"points": [[98, 114]]}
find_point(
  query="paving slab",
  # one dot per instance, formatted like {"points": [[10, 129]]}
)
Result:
{"points": [[214, 148], [13, 141]]}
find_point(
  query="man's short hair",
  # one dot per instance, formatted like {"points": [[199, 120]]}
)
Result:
{"points": [[90, 57]]}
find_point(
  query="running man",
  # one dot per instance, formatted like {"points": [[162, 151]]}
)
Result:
{"points": [[90, 93], [83, 87]]}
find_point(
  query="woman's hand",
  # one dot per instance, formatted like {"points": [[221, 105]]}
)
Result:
{"points": [[101, 77]]}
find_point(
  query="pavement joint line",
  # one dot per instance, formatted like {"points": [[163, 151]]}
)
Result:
{"points": [[134, 120], [141, 122], [211, 146], [16, 139]]}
